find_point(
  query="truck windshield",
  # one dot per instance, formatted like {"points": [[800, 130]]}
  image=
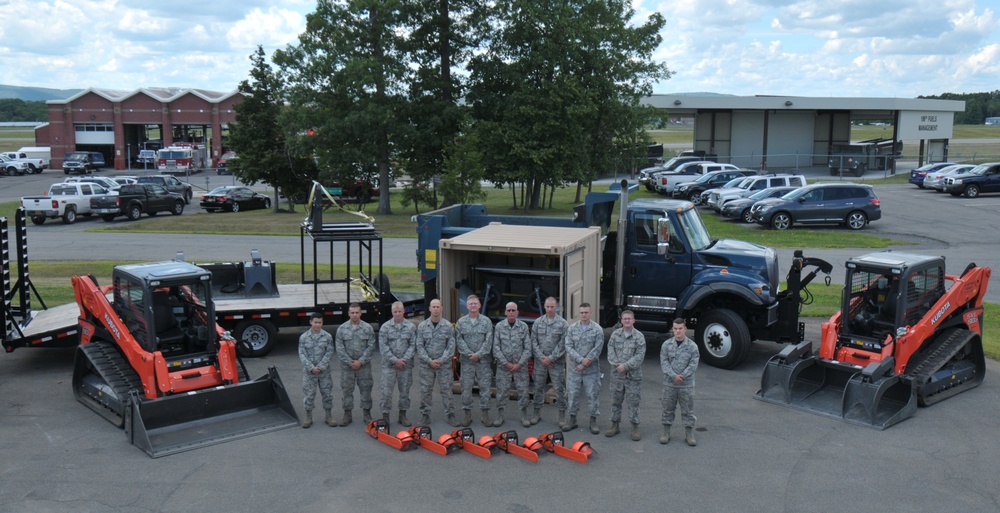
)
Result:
{"points": [[694, 229]]}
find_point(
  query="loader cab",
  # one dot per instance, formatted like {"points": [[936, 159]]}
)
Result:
{"points": [[167, 306], [885, 293]]}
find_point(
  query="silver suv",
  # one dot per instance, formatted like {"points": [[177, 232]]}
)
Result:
{"points": [[752, 184]]}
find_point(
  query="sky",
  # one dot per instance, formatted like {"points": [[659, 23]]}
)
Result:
{"points": [[825, 48]]}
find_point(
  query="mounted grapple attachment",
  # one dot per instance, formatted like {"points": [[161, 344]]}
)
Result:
{"points": [[870, 396], [177, 423]]}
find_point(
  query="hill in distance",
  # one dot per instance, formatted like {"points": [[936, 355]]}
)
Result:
{"points": [[34, 94]]}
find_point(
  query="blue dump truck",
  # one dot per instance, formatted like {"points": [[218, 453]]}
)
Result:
{"points": [[659, 261]]}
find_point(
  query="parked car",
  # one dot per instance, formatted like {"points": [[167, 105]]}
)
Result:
{"points": [[170, 183], [935, 179], [146, 158], [646, 175], [14, 167], [125, 180], [980, 179], [234, 198], [222, 167], [82, 162], [134, 200], [917, 175], [665, 182], [108, 183], [692, 190], [851, 204], [740, 208], [750, 185]]}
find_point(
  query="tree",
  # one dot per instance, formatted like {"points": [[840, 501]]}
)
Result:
{"points": [[347, 81], [556, 93], [259, 138]]}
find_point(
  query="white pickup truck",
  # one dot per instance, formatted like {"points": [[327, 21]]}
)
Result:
{"points": [[64, 200], [35, 165]]}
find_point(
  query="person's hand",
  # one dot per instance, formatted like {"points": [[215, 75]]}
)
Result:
{"points": [[546, 361], [514, 367], [316, 370], [399, 363], [678, 379], [435, 364], [585, 362], [474, 357], [620, 368], [579, 368], [355, 364]]}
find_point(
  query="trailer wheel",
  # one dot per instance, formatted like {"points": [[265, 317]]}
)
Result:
{"points": [[255, 337], [722, 337]]}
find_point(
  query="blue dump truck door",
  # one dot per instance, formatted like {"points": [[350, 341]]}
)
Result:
{"points": [[653, 282]]}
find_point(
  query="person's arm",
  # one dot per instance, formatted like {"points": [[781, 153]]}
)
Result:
{"points": [[324, 362], [525, 345], [383, 344], [640, 352], [366, 355], [342, 346]]}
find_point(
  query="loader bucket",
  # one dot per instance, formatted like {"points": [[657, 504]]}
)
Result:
{"points": [[865, 396], [183, 422]]}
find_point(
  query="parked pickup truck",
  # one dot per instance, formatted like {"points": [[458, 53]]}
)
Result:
{"points": [[169, 183], [35, 165], [65, 200], [13, 167], [82, 162], [134, 200]]}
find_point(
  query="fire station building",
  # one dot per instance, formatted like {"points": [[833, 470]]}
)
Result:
{"points": [[120, 123]]}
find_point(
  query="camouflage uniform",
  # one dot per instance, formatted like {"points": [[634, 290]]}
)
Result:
{"points": [[547, 340], [396, 341], [511, 344], [678, 359], [584, 342], [435, 343], [316, 350], [475, 336], [356, 343], [627, 349]]}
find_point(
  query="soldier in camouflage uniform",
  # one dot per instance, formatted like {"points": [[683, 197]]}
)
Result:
{"points": [[626, 349], [511, 350], [549, 352], [396, 342], [355, 346], [435, 349], [584, 343], [315, 352], [679, 360], [474, 338]]}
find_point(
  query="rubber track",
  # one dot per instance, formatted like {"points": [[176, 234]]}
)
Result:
{"points": [[113, 369], [935, 358]]}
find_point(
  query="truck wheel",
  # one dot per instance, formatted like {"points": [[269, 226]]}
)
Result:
{"points": [[178, 208], [39, 220], [255, 337], [69, 217], [722, 337], [856, 220], [781, 221], [972, 191], [860, 171], [108, 218], [134, 212]]}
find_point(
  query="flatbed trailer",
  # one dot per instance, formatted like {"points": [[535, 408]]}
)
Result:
{"points": [[248, 300]]}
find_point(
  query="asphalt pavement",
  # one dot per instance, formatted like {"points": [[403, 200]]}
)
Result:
{"points": [[751, 456]]}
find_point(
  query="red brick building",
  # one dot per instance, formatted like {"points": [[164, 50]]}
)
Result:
{"points": [[120, 123]]}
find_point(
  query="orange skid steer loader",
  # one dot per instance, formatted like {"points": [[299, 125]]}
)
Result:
{"points": [[153, 361], [903, 337]]}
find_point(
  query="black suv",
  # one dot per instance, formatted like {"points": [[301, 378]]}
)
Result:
{"points": [[169, 183], [850, 204]]}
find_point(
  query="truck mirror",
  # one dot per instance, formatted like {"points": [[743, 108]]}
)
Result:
{"points": [[662, 236]]}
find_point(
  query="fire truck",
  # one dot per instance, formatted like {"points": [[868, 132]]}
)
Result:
{"points": [[182, 158]]}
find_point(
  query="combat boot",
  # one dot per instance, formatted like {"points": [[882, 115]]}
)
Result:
{"points": [[570, 424], [403, 421], [467, 419], [499, 421], [537, 417], [329, 419], [636, 436], [593, 426], [525, 421], [346, 421], [689, 436], [487, 421], [613, 430], [665, 437], [425, 420], [308, 421], [451, 420], [367, 414]]}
